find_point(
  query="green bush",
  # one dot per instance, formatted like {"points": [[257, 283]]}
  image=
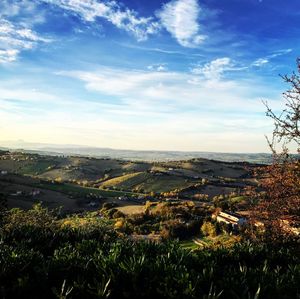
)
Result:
{"points": [[54, 261], [208, 229]]}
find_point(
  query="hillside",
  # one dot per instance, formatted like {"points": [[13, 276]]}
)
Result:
{"points": [[73, 178], [119, 173]]}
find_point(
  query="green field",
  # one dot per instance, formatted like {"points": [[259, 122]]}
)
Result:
{"points": [[166, 183], [81, 191], [35, 168], [147, 182], [189, 245], [124, 176], [128, 181]]}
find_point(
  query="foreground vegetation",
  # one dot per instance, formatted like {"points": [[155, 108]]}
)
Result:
{"points": [[42, 256]]}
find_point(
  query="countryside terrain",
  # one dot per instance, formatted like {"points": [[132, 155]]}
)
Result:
{"points": [[84, 227], [79, 183]]}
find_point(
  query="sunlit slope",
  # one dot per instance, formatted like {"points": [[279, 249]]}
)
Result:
{"points": [[119, 174], [147, 182]]}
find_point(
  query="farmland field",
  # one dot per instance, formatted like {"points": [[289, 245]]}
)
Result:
{"points": [[78, 177]]}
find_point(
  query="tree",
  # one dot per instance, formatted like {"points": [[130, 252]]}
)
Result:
{"points": [[208, 229], [286, 124], [278, 207]]}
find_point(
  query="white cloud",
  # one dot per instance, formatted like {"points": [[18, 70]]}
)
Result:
{"points": [[265, 60], [124, 82], [26, 10], [16, 38], [9, 8], [139, 109], [122, 17], [214, 69], [167, 91], [280, 53], [180, 18], [8, 55], [260, 62], [159, 67]]}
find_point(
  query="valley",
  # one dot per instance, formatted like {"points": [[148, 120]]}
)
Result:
{"points": [[78, 184]]}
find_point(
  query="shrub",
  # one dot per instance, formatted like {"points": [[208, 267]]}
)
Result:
{"points": [[208, 229], [48, 261]]}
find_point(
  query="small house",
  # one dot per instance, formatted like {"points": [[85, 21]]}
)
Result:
{"points": [[17, 193], [123, 198], [234, 219]]}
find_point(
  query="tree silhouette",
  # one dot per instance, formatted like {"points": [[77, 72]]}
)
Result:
{"points": [[278, 206]]}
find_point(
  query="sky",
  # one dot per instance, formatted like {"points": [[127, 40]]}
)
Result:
{"points": [[182, 75]]}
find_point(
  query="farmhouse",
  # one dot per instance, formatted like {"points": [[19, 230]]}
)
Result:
{"points": [[17, 193], [230, 218], [123, 198]]}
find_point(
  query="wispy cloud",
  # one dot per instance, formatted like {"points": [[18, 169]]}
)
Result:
{"points": [[180, 18], [264, 60], [150, 49], [26, 11], [145, 119], [159, 67], [9, 55], [11, 8], [139, 109], [214, 70], [172, 91], [120, 16], [15, 38], [280, 53], [260, 61]]}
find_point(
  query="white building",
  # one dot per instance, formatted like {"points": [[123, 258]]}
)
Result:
{"points": [[230, 218]]}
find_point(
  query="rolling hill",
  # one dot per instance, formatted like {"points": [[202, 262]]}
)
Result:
{"points": [[121, 174]]}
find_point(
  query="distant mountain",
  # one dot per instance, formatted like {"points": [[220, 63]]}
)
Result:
{"points": [[54, 149]]}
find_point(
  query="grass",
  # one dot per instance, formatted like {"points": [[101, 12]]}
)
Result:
{"points": [[238, 199], [223, 240], [35, 167], [165, 183], [132, 209], [148, 182], [189, 245], [79, 190], [26, 167], [128, 181]]}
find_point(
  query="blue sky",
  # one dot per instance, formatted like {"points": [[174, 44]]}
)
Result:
{"points": [[164, 75]]}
